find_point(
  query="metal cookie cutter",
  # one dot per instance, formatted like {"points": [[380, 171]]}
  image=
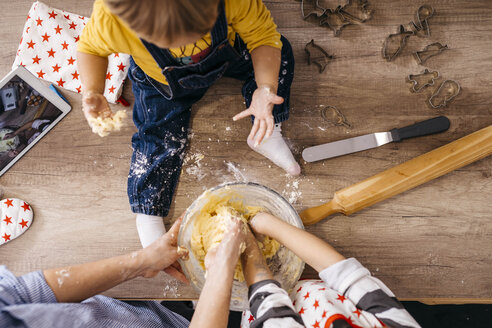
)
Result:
{"points": [[423, 14], [422, 80], [335, 20], [334, 116], [448, 90], [310, 7], [394, 43], [356, 10], [317, 55], [429, 51]]}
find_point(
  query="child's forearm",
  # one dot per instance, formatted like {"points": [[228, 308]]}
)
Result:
{"points": [[308, 247], [254, 265], [92, 71], [266, 64]]}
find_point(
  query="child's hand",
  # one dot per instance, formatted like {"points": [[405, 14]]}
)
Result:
{"points": [[95, 105], [261, 108], [261, 222]]}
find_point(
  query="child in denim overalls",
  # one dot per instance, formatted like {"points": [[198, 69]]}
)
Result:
{"points": [[164, 95]]}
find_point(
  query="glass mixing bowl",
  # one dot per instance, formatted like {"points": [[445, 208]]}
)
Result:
{"points": [[285, 265]]}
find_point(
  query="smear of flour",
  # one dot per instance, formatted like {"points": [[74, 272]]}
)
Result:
{"points": [[171, 289], [238, 175], [61, 276]]}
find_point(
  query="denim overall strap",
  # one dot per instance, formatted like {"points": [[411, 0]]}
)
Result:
{"points": [[164, 58]]}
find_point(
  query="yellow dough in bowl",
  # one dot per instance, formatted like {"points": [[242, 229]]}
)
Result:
{"points": [[211, 224]]}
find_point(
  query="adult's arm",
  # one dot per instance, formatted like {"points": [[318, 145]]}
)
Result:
{"points": [[78, 282]]}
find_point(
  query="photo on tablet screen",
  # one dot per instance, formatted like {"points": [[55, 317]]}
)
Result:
{"points": [[24, 115]]}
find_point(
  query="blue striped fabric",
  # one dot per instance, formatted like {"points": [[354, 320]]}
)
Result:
{"points": [[28, 301]]}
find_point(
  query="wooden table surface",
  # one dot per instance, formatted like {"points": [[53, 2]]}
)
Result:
{"points": [[432, 243]]}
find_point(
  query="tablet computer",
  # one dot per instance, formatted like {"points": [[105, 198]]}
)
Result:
{"points": [[28, 111]]}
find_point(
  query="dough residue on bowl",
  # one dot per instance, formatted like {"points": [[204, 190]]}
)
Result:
{"points": [[212, 222]]}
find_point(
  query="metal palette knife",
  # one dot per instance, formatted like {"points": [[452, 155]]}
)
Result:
{"points": [[372, 140]]}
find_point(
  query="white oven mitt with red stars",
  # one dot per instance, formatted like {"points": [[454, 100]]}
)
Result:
{"points": [[15, 218], [48, 49]]}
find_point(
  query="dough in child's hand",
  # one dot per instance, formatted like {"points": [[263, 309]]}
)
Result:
{"points": [[212, 223], [104, 126]]}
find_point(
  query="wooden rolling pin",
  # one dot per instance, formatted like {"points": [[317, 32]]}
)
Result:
{"points": [[405, 176]]}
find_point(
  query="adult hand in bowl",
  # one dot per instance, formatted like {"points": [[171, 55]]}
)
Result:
{"points": [[226, 254], [162, 255]]}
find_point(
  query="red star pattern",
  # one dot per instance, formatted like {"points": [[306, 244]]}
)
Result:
{"points": [[36, 60], [47, 28], [357, 311], [25, 206], [306, 296], [322, 288], [6, 237], [300, 288], [341, 298], [251, 318], [316, 324], [7, 220], [60, 82], [301, 311], [316, 304], [58, 29], [52, 15], [45, 37], [324, 314], [8, 202], [51, 53], [24, 223]]}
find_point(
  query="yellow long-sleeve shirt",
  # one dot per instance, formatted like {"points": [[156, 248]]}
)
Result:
{"points": [[105, 34]]}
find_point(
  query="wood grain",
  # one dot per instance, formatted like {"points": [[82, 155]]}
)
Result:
{"points": [[429, 243]]}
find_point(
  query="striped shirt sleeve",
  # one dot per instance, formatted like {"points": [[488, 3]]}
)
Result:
{"points": [[271, 306], [370, 294], [29, 288]]}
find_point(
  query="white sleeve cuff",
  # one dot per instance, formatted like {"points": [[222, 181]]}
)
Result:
{"points": [[341, 275]]}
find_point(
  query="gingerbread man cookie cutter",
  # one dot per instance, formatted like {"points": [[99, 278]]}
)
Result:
{"points": [[422, 80]]}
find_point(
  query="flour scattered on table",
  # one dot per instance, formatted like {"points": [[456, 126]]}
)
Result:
{"points": [[291, 191], [194, 165]]}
